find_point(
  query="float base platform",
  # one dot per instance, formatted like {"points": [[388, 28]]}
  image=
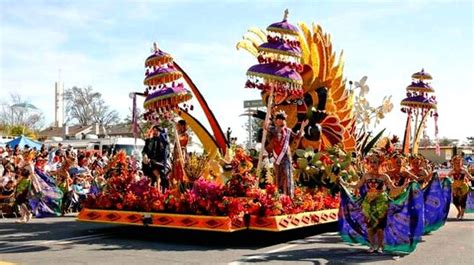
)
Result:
{"points": [[167, 220], [209, 223], [288, 222]]}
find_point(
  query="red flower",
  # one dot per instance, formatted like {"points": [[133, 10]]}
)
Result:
{"points": [[325, 159]]}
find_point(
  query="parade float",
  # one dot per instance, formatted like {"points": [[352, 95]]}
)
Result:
{"points": [[225, 190]]}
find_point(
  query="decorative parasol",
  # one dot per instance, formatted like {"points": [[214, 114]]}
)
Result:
{"points": [[279, 47], [162, 75], [158, 58], [420, 86], [167, 98], [277, 72], [283, 27], [421, 75], [418, 104], [283, 78], [163, 98], [279, 62]]}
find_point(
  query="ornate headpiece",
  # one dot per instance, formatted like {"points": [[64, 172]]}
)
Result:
{"points": [[281, 115], [456, 158], [376, 155]]}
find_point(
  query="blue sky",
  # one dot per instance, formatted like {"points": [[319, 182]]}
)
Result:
{"points": [[103, 44]]}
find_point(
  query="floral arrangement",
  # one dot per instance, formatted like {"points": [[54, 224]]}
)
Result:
{"points": [[195, 166], [242, 162], [240, 184], [323, 169], [239, 196], [269, 202]]}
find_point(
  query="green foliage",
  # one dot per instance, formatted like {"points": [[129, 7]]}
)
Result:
{"points": [[323, 169], [446, 142], [366, 149], [365, 146], [18, 130], [470, 141]]}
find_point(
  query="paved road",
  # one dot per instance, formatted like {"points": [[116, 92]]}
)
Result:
{"points": [[64, 241]]}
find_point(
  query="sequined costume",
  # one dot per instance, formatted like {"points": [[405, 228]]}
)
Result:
{"points": [[177, 172], [283, 171], [460, 189], [401, 219]]}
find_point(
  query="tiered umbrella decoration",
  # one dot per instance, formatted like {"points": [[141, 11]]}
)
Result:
{"points": [[163, 93], [278, 69], [278, 65], [419, 104]]}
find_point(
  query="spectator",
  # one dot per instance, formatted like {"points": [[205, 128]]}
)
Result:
{"points": [[8, 175]]}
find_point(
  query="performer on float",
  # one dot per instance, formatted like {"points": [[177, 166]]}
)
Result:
{"points": [[155, 157], [461, 188], [178, 175], [375, 202], [279, 136]]}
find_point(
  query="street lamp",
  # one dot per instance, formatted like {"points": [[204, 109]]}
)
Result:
{"points": [[23, 107]]}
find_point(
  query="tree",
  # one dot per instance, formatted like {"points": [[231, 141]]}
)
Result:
{"points": [[470, 140], [144, 126], [86, 107], [447, 142], [19, 117], [426, 141], [255, 125]]}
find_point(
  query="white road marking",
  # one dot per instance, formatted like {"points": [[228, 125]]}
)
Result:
{"points": [[263, 256], [280, 249], [54, 242], [24, 234], [289, 245]]}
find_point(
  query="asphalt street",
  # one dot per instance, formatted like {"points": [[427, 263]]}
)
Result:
{"points": [[65, 241]]}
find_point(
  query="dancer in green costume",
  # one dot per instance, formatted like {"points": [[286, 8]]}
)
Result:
{"points": [[376, 201]]}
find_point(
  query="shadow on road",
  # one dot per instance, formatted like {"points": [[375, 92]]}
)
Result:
{"points": [[450, 219], [340, 255], [180, 239], [31, 237]]}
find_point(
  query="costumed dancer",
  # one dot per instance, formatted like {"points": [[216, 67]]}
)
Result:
{"points": [[47, 196], [155, 157], [437, 200], [398, 172], [398, 224], [178, 175], [22, 194], [461, 188], [418, 168], [470, 196], [375, 203], [279, 137]]}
